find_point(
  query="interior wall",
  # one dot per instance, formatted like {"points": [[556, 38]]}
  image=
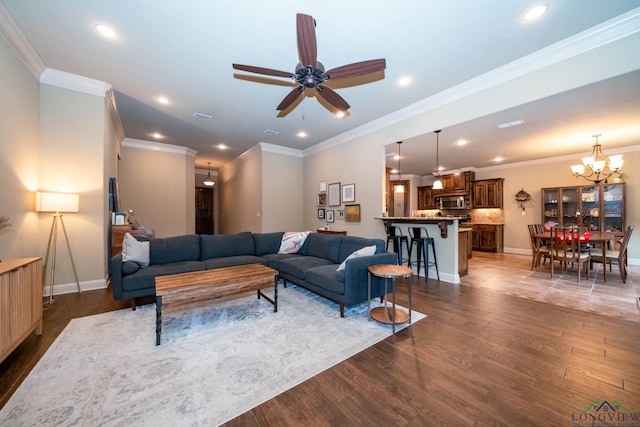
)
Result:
{"points": [[241, 193], [19, 155], [282, 192], [158, 186], [72, 127]]}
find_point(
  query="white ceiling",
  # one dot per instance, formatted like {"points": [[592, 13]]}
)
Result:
{"points": [[184, 50]]}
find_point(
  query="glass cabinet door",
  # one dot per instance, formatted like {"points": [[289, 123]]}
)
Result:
{"points": [[613, 207], [550, 207], [590, 207], [570, 206]]}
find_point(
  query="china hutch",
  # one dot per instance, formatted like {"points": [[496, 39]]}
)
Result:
{"points": [[601, 207]]}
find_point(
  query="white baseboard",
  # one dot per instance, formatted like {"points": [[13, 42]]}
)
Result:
{"points": [[69, 288]]}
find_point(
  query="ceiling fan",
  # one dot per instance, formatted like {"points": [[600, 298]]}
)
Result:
{"points": [[310, 73]]}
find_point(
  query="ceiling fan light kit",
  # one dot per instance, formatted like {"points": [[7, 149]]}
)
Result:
{"points": [[311, 74]]}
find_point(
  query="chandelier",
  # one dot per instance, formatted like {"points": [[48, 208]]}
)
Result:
{"points": [[437, 184], [208, 181], [598, 167]]}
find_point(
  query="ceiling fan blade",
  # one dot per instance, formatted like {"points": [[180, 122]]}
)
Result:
{"points": [[290, 98], [332, 98], [260, 70], [265, 80], [307, 45], [356, 69]]}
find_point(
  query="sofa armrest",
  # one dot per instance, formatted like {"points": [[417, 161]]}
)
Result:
{"points": [[356, 275], [115, 268]]}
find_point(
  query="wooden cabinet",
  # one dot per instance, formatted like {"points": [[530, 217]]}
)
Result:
{"points": [[488, 193], [464, 250], [118, 232], [20, 302], [601, 207], [426, 198], [456, 184], [488, 237]]}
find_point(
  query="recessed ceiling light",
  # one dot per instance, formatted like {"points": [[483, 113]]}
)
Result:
{"points": [[340, 114], [511, 123], [157, 135], [302, 134], [162, 99], [461, 142], [222, 147], [106, 31], [404, 81], [498, 159], [535, 12]]}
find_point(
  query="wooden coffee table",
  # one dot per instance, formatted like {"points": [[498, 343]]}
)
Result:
{"points": [[189, 288]]}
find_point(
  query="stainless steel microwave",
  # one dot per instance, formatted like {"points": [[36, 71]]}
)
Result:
{"points": [[453, 202]]}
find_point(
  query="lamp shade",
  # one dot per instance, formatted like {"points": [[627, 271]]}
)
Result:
{"points": [[57, 202]]}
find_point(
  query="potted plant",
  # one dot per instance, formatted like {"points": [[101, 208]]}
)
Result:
{"points": [[619, 178]]}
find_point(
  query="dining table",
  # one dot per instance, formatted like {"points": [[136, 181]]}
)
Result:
{"points": [[595, 237]]}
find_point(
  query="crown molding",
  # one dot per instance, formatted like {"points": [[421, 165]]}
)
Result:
{"points": [[279, 149], [206, 171], [112, 108], [14, 36], [74, 82], [605, 33], [158, 146]]}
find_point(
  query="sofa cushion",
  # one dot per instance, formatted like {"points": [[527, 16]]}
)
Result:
{"points": [[323, 246], [366, 251], [146, 277], [232, 261], [351, 244], [174, 249], [130, 267], [135, 250], [273, 260], [297, 266], [292, 241], [224, 245], [267, 243], [326, 278]]}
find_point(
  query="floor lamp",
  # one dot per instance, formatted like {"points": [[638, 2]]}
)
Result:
{"points": [[57, 202]]}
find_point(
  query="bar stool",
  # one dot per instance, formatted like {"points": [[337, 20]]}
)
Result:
{"points": [[420, 238], [394, 235]]}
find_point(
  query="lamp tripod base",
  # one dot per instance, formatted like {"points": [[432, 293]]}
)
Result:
{"points": [[51, 250]]}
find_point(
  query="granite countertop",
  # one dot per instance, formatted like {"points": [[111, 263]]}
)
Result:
{"points": [[481, 223], [437, 218]]}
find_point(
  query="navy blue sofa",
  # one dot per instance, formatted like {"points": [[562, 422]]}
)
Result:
{"points": [[312, 267]]}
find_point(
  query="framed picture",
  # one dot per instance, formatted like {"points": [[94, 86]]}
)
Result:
{"points": [[320, 213], [348, 193], [334, 194], [339, 213], [322, 199], [323, 186], [330, 216], [352, 213]]}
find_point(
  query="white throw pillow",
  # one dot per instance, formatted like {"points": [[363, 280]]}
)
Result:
{"points": [[292, 241], [366, 251], [134, 250]]}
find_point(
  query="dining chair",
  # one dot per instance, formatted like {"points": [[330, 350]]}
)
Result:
{"points": [[565, 247], [618, 256], [538, 246]]}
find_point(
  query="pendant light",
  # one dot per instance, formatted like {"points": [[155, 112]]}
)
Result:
{"points": [[208, 181], [437, 184], [400, 187]]}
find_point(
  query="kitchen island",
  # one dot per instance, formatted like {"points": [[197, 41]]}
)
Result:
{"points": [[444, 230]]}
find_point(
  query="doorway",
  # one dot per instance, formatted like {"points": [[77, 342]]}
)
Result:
{"points": [[204, 210], [399, 205]]}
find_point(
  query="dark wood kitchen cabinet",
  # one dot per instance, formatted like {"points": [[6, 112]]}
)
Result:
{"points": [[488, 193], [456, 184], [488, 237], [426, 198]]}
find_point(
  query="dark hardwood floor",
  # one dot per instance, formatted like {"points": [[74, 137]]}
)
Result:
{"points": [[481, 357]]}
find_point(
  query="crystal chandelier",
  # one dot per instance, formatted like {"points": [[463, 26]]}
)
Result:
{"points": [[598, 167], [437, 184]]}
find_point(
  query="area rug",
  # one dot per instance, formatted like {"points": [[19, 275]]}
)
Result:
{"points": [[214, 363]]}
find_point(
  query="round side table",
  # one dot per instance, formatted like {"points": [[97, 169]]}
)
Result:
{"points": [[389, 315]]}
